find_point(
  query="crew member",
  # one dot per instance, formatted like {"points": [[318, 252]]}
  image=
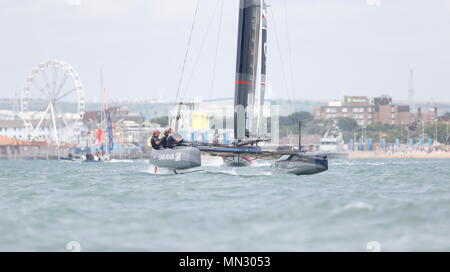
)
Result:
{"points": [[172, 140], [165, 137], [89, 157], [155, 141]]}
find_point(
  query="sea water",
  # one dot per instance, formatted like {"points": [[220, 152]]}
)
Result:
{"points": [[357, 205]]}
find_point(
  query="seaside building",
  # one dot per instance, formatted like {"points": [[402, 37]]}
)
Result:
{"points": [[132, 132], [12, 124], [17, 129], [430, 116], [8, 115], [128, 126], [365, 111], [117, 114]]}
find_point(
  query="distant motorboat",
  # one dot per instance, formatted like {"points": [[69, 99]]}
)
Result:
{"points": [[332, 144]]}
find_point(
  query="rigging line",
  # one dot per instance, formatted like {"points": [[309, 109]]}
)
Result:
{"points": [[200, 52], [34, 82], [281, 58], [102, 93], [286, 18], [217, 50], [54, 77], [187, 51], [61, 85]]}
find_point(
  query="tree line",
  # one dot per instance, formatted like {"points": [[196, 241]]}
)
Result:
{"points": [[350, 128]]}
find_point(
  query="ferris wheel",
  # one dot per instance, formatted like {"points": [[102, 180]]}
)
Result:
{"points": [[52, 103]]}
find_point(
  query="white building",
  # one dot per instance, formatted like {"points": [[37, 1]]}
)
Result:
{"points": [[133, 132], [12, 124], [7, 115], [16, 129]]}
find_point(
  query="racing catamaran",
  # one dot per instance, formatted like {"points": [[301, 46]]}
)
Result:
{"points": [[249, 100]]}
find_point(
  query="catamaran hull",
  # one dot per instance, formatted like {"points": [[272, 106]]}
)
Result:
{"points": [[177, 158], [302, 164]]}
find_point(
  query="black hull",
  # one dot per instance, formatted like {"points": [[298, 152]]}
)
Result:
{"points": [[302, 164], [178, 158], [286, 161]]}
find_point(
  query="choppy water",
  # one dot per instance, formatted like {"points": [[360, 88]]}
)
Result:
{"points": [[400, 204]]}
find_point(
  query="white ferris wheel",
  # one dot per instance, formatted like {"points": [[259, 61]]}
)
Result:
{"points": [[52, 103]]}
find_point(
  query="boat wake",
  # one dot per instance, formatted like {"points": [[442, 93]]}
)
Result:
{"points": [[234, 172], [212, 161], [155, 170], [354, 206], [352, 163], [120, 161], [260, 164]]}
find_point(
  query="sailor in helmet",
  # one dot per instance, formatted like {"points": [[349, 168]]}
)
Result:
{"points": [[155, 141], [164, 138], [170, 140]]}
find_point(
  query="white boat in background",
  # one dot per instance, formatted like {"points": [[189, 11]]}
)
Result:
{"points": [[332, 144]]}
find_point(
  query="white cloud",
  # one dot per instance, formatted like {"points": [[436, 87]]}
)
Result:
{"points": [[102, 7], [374, 2], [157, 8], [172, 8]]}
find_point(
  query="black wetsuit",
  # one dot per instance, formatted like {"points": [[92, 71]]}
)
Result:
{"points": [[156, 143], [164, 141], [171, 142]]}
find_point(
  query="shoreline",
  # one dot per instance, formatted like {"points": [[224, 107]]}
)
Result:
{"points": [[398, 155]]}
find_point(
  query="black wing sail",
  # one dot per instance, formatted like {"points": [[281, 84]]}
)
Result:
{"points": [[250, 56], [262, 79]]}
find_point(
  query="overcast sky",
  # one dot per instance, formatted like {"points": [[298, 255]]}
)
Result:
{"points": [[356, 47]]}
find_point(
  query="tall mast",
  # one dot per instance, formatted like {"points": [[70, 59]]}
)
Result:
{"points": [[103, 112], [250, 67], [102, 93], [107, 117]]}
